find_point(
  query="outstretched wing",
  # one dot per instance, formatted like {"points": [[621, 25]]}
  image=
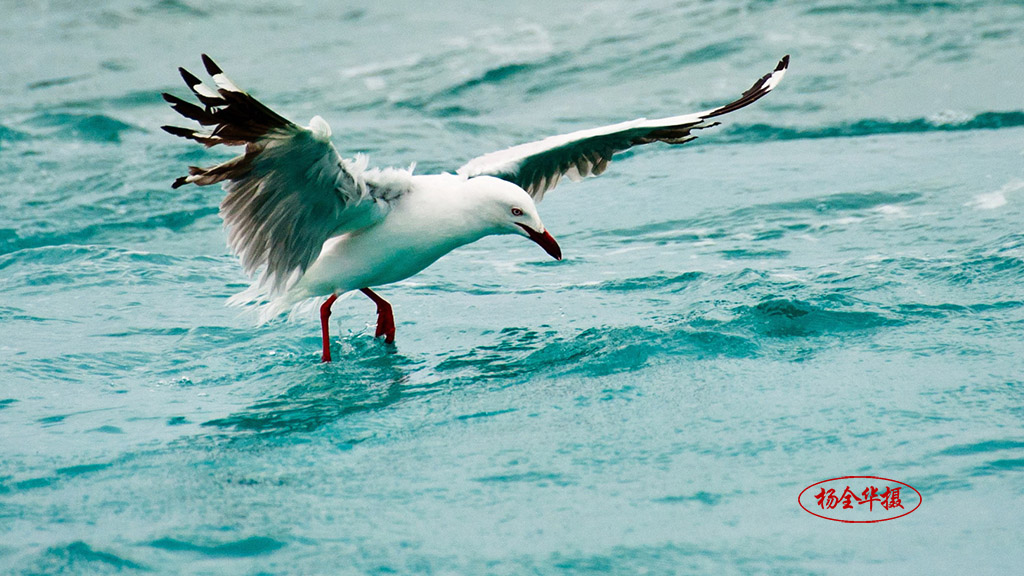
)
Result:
{"points": [[538, 166], [288, 193]]}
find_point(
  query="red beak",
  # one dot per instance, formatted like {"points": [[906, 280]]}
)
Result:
{"points": [[545, 241]]}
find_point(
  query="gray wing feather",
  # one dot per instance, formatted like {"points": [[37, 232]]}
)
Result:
{"points": [[288, 193], [538, 166]]}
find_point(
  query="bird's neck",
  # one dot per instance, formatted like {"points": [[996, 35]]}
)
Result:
{"points": [[448, 210]]}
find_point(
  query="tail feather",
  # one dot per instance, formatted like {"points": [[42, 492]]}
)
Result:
{"points": [[268, 303], [266, 308], [296, 304]]}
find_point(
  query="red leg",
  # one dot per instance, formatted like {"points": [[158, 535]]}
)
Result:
{"points": [[385, 318], [325, 313]]}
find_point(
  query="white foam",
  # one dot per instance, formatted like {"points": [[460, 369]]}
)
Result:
{"points": [[997, 199]]}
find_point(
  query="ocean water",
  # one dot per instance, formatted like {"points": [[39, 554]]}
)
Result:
{"points": [[828, 284]]}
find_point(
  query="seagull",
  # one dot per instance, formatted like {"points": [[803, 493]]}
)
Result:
{"points": [[308, 223]]}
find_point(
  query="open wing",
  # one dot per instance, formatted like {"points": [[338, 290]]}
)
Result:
{"points": [[538, 166], [288, 193]]}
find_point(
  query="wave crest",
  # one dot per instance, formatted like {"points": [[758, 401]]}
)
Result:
{"points": [[876, 126]]}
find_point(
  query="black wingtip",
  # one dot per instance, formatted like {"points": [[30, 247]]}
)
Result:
{"points": [[172, 99], [178, 131], [211, 66], [189, 78], [783, 64]]}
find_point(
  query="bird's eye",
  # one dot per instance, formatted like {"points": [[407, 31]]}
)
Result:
{"points": [[516, 211]]}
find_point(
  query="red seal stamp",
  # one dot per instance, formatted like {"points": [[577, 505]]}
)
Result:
{"points": [[860, 499]]}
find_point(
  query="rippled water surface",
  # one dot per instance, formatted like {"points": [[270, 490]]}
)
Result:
{"points": [[828, 284]]}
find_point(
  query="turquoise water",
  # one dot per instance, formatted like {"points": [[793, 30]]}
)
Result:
{"points": [[829, 284]]}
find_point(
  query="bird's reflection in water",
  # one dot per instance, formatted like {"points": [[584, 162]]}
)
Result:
{"points": [[368, 376]]}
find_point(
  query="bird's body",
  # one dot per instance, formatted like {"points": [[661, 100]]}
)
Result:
{"points": [[439, 213], [314, 224]]}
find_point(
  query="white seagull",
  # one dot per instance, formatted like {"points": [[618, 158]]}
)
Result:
{"points": [[315, 224]]}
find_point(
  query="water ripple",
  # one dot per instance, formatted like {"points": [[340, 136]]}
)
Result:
{"points": [[92, 127], [252, 546], [872, 127], [80, 558]]}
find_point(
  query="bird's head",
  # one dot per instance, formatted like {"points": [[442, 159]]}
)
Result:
{"points": [[509, 209]]}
